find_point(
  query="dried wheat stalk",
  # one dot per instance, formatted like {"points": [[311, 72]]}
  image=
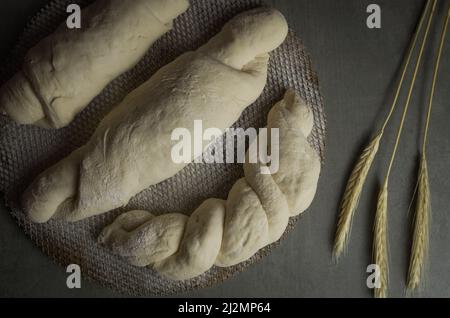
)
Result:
{"points": [[380, 245], [419, 249], [359, 174]]}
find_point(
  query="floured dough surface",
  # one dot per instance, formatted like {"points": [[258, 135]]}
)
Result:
{"points": [[203, 236], [246, 227], [297, 183], [65, 71], [131, 149], [258, 207]]}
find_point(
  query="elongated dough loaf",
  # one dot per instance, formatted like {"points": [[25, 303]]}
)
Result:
{"points": [[66, 70], [226, 233], [131, 149]]}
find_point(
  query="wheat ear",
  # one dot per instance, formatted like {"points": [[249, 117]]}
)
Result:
{"points": [[351, 195], [380, 245], [359, 174], [419, 248], [420, 243]]}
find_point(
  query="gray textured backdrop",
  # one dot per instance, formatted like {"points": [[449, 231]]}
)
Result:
{"points": [[357, 68]]}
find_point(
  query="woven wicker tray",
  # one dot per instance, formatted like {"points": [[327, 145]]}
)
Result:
{"points": [[27, 151]]}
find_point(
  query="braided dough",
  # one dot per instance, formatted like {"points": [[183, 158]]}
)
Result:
{"points": [[131, 149], [225, 233], [65, 71]]}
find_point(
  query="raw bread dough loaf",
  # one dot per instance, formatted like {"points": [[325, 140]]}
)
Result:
{"points": [[131, 149], [255, 214], [65, 71]]}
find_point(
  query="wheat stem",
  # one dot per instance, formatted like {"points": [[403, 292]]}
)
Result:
{"points": [[420, 244], [435, 78], [359, 174], [405, 69], [411, 89]]}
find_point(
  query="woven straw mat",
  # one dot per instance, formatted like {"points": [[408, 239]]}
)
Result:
{"points": [[27, 151]]}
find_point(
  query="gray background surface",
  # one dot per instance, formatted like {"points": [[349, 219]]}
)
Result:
{"points": [[357, 69]]}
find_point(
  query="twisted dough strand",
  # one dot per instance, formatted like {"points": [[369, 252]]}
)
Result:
{"points": [[226, 233]]}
